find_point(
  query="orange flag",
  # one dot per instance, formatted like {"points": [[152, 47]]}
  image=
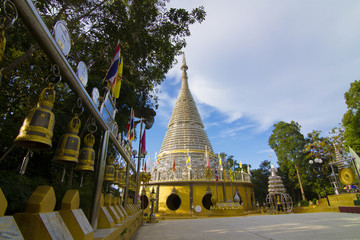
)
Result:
{"points": [[173, 168]]}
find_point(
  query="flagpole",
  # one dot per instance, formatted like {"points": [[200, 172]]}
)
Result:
{"points": [[217, 195], [233, 175], [138, 167]]}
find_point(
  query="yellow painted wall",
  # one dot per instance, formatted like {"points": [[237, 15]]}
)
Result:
{"points": [[199, 191], [181, 191]]}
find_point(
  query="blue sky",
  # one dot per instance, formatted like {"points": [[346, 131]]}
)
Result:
{"points": [[254, 63]]}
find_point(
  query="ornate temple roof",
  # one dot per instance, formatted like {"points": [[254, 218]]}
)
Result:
{"points": [[185, 134]]}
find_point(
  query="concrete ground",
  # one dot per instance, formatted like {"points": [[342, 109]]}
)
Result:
{"points": [[307, 226]]}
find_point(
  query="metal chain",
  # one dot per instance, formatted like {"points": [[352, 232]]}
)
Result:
{"points": [[92, 126], [78, 107], [10, 12]]}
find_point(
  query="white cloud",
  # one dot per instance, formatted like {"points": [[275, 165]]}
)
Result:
{"points": [[254, 63], [275, 60]]}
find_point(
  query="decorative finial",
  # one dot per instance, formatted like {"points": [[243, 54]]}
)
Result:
{"points": [[184, 67]]}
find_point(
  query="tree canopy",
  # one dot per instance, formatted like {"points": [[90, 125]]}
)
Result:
{"points": [[151, 36], [351, 119], [287, 142]]}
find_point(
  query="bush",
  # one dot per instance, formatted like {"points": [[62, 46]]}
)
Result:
{"points": [[304, 203], [18, 189]]}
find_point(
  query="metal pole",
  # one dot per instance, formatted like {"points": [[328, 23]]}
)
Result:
{"points": [[126, 185], [247, 198], [322, 183], [138, 165], [99, 178], [217, 195]]}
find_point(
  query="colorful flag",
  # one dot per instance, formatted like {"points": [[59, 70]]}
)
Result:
{"points": [[115, 88], [231, 175], [240, 165], [143, 143], [145, 166], [188, 161], [173, 167], [114, 66], [216, 175], [356, 158], [207, 158], [219, 159], [131, 127]]}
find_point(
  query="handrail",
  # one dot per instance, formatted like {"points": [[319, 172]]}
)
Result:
{"points": [[39, 30]]}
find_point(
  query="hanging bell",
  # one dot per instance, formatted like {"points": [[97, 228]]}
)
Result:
{"points": [[69, 144], [87, 154], [37, 129], [117, 174], [109, 169], [122, 173]]}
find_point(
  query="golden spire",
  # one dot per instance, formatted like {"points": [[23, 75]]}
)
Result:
{"points": [[185, 131]]}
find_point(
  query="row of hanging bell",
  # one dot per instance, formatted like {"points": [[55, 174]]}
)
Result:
{"points": [[37, 129]]}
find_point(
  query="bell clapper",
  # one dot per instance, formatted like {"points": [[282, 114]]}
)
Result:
{"points": [[25, 162], [82, 179], [63, 175]]}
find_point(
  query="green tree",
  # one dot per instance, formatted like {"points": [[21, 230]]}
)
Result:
{"points": [[351, 119], [151, 36], [323, 148], [260, 179], [288, 142]]}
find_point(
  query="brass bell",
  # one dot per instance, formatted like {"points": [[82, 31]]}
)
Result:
{"points": [[37, 129], [109, 169], [122, 173], [69, 144], [87, 154], [117, 174]]}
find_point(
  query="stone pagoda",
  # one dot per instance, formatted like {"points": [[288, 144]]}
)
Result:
{"points": [[183, 178], [185, 137]]}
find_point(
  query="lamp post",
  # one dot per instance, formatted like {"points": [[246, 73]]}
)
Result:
{"points": [[152, 199], [134, 152], [317, 162]]}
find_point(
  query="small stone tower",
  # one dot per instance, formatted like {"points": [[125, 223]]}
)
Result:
{"points": [[278, 199]]}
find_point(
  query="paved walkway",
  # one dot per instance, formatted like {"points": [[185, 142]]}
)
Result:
{"points": [[307, 226]]}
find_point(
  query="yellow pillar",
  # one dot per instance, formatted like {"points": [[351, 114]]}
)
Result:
{"points": [[111, 209], [74, 217], [39, 221], [8, 227], [104, 218]]}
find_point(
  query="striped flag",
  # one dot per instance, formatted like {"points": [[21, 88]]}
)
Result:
{"points": [[207, 158], [143, 143], [114, 66], [115, 87], [188, 161], [131, 127]]}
